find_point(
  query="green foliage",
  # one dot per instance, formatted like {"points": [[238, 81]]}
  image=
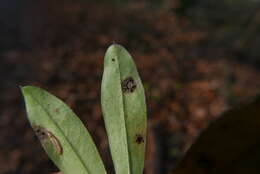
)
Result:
{"points": [[66, 140], [62, 134], [124, 109], [229, 145]]}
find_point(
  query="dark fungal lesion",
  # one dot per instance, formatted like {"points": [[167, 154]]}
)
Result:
{"points": [[40, 132], [113, 59], [43, 134], [128, 85], [139, 139]]}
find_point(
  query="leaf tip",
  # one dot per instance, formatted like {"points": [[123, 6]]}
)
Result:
{"points": [[115, 47], [27, 89], [115, 52]]}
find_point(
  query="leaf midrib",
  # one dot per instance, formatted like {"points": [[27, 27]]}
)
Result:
{"points": [[124, 116], [63, 134]]}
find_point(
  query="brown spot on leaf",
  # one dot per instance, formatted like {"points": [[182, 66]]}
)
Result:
{"points": [[57, 110], [43, 134], [40, 132], [54, 140], [139, 139], [113, 59], [128, 85]]}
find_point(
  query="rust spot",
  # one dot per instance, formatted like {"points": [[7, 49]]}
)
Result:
{"points": [[139, 139], [128, 85], [44, 134]]}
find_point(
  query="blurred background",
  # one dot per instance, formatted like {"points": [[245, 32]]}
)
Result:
{"points": [[196, 59]]}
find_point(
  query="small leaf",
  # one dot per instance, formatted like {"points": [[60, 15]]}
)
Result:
{"points": [[231, 144], [62, 134], [124, 110]]}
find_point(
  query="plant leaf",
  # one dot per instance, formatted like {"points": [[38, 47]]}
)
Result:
{"points": [[124, 110], [231, 144], [62, 134]]}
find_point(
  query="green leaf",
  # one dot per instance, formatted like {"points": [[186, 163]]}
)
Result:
{"points": [[124, 110], [231, 144], [62, 134]]}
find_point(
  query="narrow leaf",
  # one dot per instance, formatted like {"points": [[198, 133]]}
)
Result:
{"points": [[62, 134], [124, 110], [231, 144]]}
